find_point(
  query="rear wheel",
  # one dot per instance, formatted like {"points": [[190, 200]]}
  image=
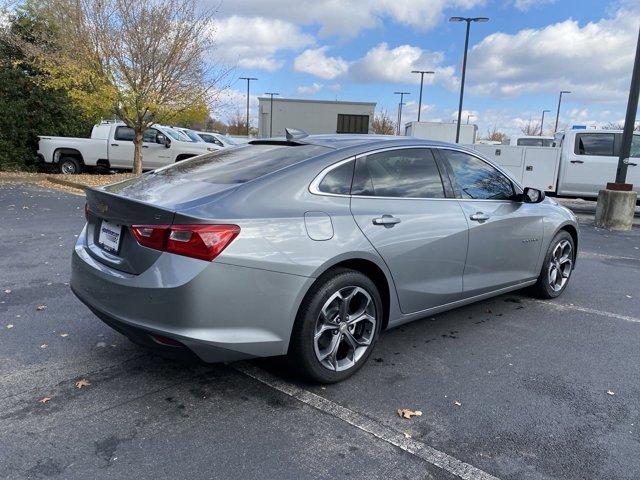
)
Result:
{"points": [[557, 267], [337, 326], [69, 166]]}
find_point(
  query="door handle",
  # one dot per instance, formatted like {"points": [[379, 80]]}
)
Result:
{"points": [[115, 145], [145, 146], [577, 161], [479, 217], [387, 221]]}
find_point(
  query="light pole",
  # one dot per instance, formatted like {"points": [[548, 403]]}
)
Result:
{"points": [[558, 112], [421, 72], [542, 122], [469, 116], [464, 61], [248, 79], [271, 94], [402, 94], [629, 120]]}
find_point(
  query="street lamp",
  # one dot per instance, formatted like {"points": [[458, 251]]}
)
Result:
{"points": [[542, 122], [421, 72], [402, 94], [271, 94], [464, 61], [469, 116], [559, 103], [248, 79]]}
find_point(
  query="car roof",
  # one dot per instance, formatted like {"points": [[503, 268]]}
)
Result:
{"points": [[343, 141]]}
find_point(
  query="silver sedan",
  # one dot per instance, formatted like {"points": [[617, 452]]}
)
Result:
{"points": [[310, 246]]}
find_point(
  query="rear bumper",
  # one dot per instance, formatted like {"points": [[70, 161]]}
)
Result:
{"points": [[220, 312]]}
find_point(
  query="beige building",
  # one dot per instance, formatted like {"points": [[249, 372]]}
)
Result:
{"points": [[313, 116]]}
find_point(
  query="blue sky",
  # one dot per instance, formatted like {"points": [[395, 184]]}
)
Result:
{"points": [[364, 50]]}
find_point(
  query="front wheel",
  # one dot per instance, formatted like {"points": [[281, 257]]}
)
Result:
{"points": [[337, 326], [557, 267]]}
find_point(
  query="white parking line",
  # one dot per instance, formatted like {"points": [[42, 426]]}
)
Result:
{"points": [[366, 424], [562, 306]]}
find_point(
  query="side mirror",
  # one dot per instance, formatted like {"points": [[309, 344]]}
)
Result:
{"points": [[162, 139], [532, 195]]}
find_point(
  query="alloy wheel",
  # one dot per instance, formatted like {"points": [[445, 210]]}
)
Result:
{"points": [[560, 265], [345, 328]]}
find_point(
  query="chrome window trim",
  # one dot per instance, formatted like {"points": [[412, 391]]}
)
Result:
{"points": [[314, 186]]}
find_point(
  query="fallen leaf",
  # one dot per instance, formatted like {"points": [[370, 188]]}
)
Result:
{"points": [[83, 382], [63, 335], [628, 296], [44, 400], [10, 326], [406, 434], [8, 290], [41, 307], [457, 403], [609, 392], [44, 345], [408, 413]]}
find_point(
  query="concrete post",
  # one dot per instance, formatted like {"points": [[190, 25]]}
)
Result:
{"points": [[615, 209]]}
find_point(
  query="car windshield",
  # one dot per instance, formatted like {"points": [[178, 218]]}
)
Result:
{"points": [[240, 165], [191, 134], [181, 137]]}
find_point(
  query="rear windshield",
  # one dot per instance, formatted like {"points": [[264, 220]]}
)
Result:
{"points": [[240, 164]]}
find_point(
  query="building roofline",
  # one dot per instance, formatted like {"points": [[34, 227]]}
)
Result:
{"points": [[304, 100]]}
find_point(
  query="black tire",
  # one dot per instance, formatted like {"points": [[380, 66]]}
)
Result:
{"points": [[69, 166], [302, 348], [544, 287]]}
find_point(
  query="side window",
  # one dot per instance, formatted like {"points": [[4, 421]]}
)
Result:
{"points": [[217, 142], [402, 173], [149, 135], [476, 179], [338, 180], [635, 146], [124, 134], [599, 144]]}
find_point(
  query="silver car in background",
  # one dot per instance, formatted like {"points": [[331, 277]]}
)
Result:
{"points": [[310, 246]]}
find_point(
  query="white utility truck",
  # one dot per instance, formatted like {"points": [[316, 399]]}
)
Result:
{"points": [[111, 146], [443, 132], [579, 165]]}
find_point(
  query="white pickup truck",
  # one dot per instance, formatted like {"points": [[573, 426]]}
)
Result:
{"points": [[111, 146], [579, 165]]}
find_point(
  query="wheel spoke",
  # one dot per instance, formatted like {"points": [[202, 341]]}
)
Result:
{"points": [[355, 343], [325, 327], [363, 316]]}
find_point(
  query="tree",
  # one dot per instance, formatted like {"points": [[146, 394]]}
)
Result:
{"points": [[217, 126], [383, 124], [237, 125], [495, 135], [150, 57], [30, 103], [531, 128]]}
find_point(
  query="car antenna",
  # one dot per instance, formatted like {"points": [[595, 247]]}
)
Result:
{"points": [[294, 134]]}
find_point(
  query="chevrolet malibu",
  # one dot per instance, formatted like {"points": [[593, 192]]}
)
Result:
{"points": [[310, 246]]}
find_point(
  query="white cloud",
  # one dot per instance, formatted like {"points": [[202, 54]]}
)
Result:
{"points": [[524, 5], [384, 64], [309, 89], [594, 61], [347, 18], [253, 42], [316, 62]]}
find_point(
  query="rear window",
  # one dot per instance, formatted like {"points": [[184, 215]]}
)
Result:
{"points": [[241, 164]]}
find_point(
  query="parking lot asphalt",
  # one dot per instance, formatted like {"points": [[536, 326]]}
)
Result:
{"points": [[512, 387]]}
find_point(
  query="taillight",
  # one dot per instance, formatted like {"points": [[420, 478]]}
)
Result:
{"points": [[205, 242]]}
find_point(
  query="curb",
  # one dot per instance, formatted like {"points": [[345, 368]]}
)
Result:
{"points": [[67, 183]]}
